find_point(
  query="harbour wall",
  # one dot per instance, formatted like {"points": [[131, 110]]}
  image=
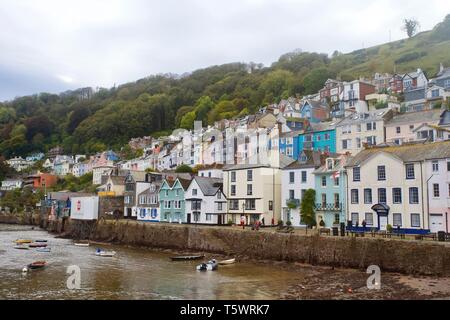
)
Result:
{"points": [[407, 257]]}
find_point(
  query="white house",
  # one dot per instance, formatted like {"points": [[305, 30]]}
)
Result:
{"points": [[388, 185], [438, 177], [19, 164], [11, 184], [98, 172], [295, 180], [205, 201], [211, 171]]}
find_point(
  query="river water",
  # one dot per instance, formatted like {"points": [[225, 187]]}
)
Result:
{"points": [[133, 273]]}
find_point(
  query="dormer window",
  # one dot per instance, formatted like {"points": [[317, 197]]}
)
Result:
{"points": [[330, 164]]}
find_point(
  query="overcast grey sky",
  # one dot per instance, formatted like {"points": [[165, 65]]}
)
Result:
{"points": [[54, 45]]}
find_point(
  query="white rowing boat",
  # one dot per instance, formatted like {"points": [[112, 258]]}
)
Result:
{"points": [[227, 262], [102, 253], [82, 244]]}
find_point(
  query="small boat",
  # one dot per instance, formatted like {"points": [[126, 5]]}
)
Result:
{"points": [[37, 265], [43, 250], [40, 240], [23, 241], [21, 248], [227, 262], [81, 244], [187, 258], [37, 245], [102, 253], [209, 266]]}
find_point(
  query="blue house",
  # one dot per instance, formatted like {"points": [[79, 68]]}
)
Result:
{"points": [[314, 111], [330, 186], [172, 200], [320, 137], [289, 143]]}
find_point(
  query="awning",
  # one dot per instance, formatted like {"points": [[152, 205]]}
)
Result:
{"points": [[194, 199], [381, 208]]}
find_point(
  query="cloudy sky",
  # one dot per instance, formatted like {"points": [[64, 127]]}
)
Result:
{"points": [[54, 45]]}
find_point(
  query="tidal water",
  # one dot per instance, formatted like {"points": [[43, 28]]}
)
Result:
{"points": [[134, 273]]}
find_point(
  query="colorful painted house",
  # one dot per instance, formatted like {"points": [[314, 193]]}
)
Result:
{"points": [[314, 111], [330, 186], [289, 144], [172, 200], [319, 137]]}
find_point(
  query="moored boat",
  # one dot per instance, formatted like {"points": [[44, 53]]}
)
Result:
{"points": [[37, 265], [102, 253], [37, 245], [21, 248], [43, 250], [227, 262], [81, 244], [187, 258], [40, 240], [23, 241], [208, 266]]}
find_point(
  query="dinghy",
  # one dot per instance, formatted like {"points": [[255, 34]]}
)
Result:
{"points": [[227, 262], [40, 240], [37, 265], [43, 250], [187, 258], [37, 245], [21, 248], [209, 266], [81, 244], [102, 253], [23, 241]]}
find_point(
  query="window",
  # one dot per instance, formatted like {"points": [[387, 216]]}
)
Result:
{"points": [[208, 217], [250, 204], [196, 205], [346, 144], [291, 194], [415, 220], [436, 190], [435, 166], [177, 204], [410, 171], [249, 189], [398, 130], [369, 218], [324, 181], [219, 195], [357, 174], [167, 193], [381, 195], [411, 127], [355, 218], [447, 83], [327, 136], [233, 176], [413, 195], [233, 190], [358, 143], [249, 175], [435, 93], [358, 128], [371, 126], [371, 141], [220, 206], [318, 137], [234, 204], [381, 173], [194, 192], [397, 219], [367, 196], [336, 181], [397, 195], [303, 176], [336, 200], [448, 165], [347, 129], [291, 177], [324, 200], [270, 205], [354, 196]]}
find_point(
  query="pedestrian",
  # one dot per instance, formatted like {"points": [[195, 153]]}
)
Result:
{"points": [[364, 224], [263, 223]]}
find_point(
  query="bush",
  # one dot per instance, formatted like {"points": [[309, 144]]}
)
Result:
{"points": [[289, 223], [230, 222], [389, 228], [410, 57], [322, 223]]}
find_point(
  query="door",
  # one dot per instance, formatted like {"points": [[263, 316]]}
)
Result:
{"points": [[383, 223], [436, 223], [188, 218]]}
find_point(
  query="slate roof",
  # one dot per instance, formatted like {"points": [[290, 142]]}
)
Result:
{"points": [[414, 117], [209, 186], [117, 180], [314, 160], [407, 153], [323, 126], [445, 118], [365, 117]]}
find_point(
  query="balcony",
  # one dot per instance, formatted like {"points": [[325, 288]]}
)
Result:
{"points": [[328, 206], [293, 203]]}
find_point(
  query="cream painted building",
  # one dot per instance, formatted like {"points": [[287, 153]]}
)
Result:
{"points": [[361, 128], [401, 128], [253, 189], [388, 186]]}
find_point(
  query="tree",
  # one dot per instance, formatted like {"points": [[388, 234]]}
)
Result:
{"points": [[307, 206], [411, 26], [184, 168]]}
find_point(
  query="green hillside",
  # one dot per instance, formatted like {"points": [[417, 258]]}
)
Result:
{"points": [[158, 104]]}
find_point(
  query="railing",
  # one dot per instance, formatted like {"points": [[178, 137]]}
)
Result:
{"points": [[328, 206]]}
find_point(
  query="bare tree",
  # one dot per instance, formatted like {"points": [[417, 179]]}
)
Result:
{"points": [[411, 26]]}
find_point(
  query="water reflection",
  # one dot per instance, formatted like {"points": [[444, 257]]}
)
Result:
{"points": [[132, 274]]}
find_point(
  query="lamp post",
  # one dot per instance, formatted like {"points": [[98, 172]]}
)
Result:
{"points": [[243, 216]]}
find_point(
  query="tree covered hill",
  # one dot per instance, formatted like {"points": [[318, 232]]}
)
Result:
{"points": [[85, 122]]}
